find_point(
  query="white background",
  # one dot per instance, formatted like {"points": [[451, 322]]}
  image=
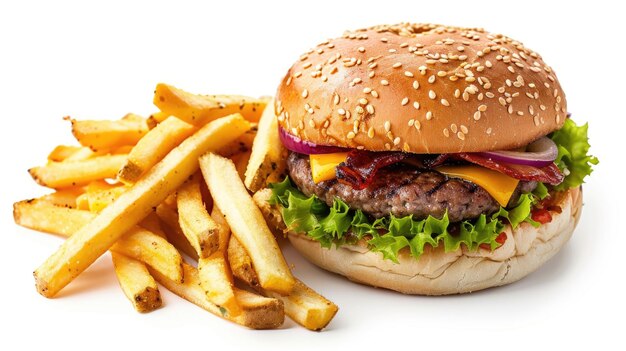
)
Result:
{"points": [[100, 61]]}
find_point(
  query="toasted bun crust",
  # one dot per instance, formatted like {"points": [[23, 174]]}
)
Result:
{"points": [[440, 273], [421, 88]]}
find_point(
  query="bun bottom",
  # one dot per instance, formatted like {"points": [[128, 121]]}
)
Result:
{"points": [[440, 273]]}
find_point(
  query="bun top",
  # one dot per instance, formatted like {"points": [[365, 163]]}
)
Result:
{"points": [[421, 88]]}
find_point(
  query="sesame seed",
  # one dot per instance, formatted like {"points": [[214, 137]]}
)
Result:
{"points": [[558, 118], [488, 130], [531, 110], [464, 129], [305, 93], [311, 123], [510, 109], [442, 73], [542, 107], [431, 79], [408, 74], [416, 105], [367, 90], [370, 132], [348, 114], [417, 125], [460, 48], [373, 65], [460, 135], [359, 110], [457, 93], [392, 51], [361, 49], [363, 101], [396, 141], [429, 116], [350, 135], [387, 126], [489, 95], [371, 74], [336, 99], [326, 123], [355, 126], [374, 93], [298, 74], [453, 128], [446, 133], [405, 101], [387, 146], [511, 69], [370, 109], [445, 102], [403, 45], [416, 85], [384, 82], [477, 115], [397, 65], [341, 112], [384, 40], [465, 96], [536, 120], [482, 108], [307, 65], [406, 147], [411, 122], [432, 95]]}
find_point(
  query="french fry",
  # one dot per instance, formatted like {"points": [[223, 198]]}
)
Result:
{"points": [[101, 195], [267, 162], [67, 174], [65, 197], [215, 275], [241, 264], [92, 240], [153, 224], [136, 283], [81, 154], [107, 134], [138, 243], [246, 223], [271, 214], [158, 117], [305, 306], [201, 109], [198, 226], [174, 234], [153, 147], [258, 312], [217, 282], [239, 145], [241, 163], [62, 152]]}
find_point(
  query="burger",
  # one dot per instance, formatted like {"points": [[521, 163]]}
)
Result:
{"points": [[428, 159]]}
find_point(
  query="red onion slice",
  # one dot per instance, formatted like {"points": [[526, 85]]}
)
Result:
{"points": [[538, 154], [300, 146]]}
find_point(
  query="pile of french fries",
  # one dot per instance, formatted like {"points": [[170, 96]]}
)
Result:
{"points": [[179, 183]]}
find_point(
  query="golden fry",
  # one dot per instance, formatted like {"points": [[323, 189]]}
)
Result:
{"points": [[67, 174], [198, 226], [246, 223], [267, 161], [136, 283], [107, 134], [258, 312], [153, 147], [201, 109]]}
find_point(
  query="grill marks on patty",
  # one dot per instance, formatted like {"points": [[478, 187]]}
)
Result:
{"points": [[402, 190]]}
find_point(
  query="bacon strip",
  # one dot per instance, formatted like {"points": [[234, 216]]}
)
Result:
{"points": [[549, 174], [360, 167]]}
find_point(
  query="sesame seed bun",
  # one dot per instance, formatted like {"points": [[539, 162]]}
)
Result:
{"points": [[441, 273], [421, 88]]}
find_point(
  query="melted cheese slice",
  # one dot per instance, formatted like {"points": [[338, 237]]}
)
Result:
{"points": [[499, 186], [323, 165]]}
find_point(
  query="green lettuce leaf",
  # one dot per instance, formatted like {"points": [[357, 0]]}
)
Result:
{"points": [[573, 158], [339, 224]]}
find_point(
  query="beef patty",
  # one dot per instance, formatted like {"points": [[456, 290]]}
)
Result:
{"points": [[403, 190]]}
